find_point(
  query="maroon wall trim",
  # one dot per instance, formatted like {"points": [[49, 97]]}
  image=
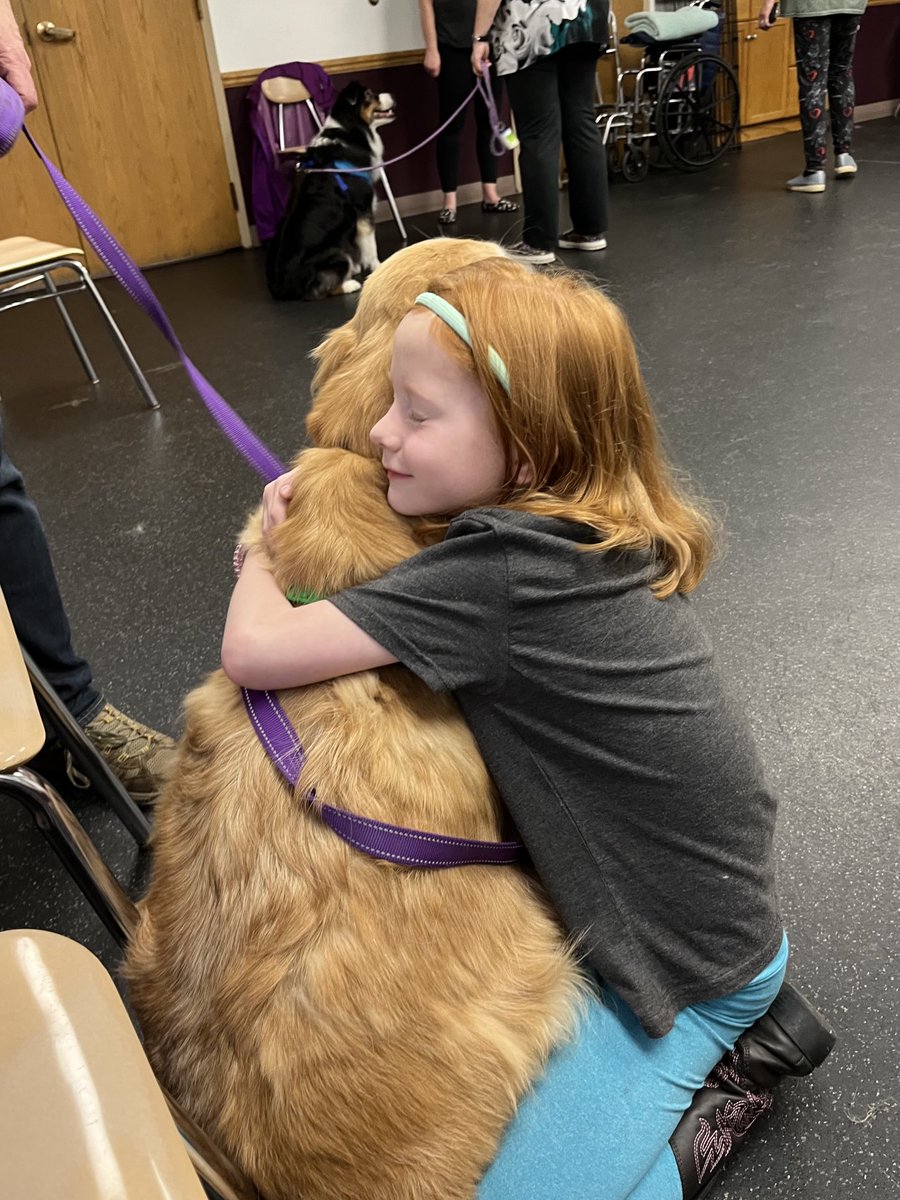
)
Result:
{"points": [[876, 65]]}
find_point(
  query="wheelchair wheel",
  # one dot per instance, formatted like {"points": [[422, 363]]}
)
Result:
{"points": [[635, 163], [697, 111]]}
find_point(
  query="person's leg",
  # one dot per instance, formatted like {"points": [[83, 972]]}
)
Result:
{"points": [[582, 140], [453, 83], [534, 96], [610, 1100], [137, 754], [811, 41], [841, 90], [32, 596]]}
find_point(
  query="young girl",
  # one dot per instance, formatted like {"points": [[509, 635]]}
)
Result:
{"points": [[555, 608]]}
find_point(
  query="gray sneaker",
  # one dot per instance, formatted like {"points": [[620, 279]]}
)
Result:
{"points": [[530, 254], [582, 241], [813, 182], [844, 166]]}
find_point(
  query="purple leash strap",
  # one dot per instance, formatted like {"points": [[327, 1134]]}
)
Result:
{"points": [[395, 843], [497, 146], [121, 266]]}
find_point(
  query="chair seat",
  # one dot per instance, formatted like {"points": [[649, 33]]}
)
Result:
{"points": [[283, 90], [81, 1115], [21, 729], [17, 253]]}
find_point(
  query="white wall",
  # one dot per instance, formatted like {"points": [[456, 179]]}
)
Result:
{"points": [[254, 34]]}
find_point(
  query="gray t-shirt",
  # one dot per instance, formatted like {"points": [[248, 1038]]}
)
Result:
{"points": [[627, 767]]}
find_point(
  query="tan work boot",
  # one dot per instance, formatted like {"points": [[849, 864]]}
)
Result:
{"points": [[139, 756]]}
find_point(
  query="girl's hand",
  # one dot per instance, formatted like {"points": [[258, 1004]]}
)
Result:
{"points": [[276, 497], [766, 19], [481, 52], [432, 63]]}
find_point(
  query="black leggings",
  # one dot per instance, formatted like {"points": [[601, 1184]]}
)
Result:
{"points": [[825, 70], [553, 101], [454, 83]]}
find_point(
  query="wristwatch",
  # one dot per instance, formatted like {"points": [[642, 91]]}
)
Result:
{"points": [[479, 37]]}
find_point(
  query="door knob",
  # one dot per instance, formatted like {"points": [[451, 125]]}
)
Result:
{"points": [[48, 32]]}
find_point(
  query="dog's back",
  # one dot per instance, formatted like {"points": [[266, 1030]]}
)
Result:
{"points": [[344, 1027]]}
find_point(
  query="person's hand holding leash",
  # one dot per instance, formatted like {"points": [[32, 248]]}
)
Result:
{"points": [[768, 14], [481, 52], [15, 67]]}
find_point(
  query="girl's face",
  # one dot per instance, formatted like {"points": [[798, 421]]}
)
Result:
{"points": [[438, 442]]}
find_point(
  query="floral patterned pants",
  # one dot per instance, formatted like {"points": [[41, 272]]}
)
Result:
{"points": [[825, 71]]}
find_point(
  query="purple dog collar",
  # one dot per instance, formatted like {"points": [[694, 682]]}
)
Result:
{"points": [[409, 847]]}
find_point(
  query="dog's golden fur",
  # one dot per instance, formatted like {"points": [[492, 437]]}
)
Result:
{"points": [[345, 1028]]}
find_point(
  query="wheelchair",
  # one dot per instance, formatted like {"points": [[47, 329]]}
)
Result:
{"points": [[683, 98]]}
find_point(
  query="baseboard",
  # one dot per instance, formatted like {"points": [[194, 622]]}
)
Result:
{"points": [[874, 112], [422, 202]]}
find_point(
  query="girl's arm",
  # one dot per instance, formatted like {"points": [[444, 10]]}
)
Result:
{"points": [[269, 644]]}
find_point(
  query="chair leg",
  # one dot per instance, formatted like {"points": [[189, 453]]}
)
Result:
{"points": [[92, 375], [124, 348], [86, 755], [382, 175], [314, 113], [75, 849]]}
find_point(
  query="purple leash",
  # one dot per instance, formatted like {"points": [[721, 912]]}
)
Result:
{"points": [[498, 145], [121, 266], [410, 847]]}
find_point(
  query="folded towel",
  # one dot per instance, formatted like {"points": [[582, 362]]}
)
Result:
{"points": [[672, 26]]}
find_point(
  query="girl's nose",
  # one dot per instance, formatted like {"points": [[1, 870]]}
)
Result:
{"points": [[380, 432]]}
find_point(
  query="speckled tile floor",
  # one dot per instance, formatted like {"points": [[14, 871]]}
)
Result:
{"points": [[769, 326]]}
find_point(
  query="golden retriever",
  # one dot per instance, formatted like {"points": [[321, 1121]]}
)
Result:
{"points": [[345, 1028]]}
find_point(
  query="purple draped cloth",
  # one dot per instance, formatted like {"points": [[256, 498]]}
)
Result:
{"points": [[270, 186]]}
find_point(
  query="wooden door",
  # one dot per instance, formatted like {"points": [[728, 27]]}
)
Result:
{"points": [[765, 80], [133, 115]]}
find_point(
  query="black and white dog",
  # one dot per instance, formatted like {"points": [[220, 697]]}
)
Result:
{"points": [[327, 234]]}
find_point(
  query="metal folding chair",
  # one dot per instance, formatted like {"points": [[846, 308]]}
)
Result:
{"points": [[26, 276]]}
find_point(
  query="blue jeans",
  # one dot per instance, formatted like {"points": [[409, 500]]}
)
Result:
{"points": [[598, 1123], [32, 596]]}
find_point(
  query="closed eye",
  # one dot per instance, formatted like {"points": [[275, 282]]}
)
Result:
{"points": [[416, 418]]}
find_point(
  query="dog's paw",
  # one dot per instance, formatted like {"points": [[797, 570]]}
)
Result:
{"points": [[349, 285]]}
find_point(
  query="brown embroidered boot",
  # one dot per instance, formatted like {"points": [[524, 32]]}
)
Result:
{"points": [[792, 1038]]}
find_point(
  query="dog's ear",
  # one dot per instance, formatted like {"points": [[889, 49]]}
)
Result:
{"points": [[353, 94]]}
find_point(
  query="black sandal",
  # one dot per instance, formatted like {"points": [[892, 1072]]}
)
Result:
{"points": [[447, 216], [502, 206]]}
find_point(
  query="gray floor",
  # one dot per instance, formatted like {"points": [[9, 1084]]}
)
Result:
{"points": [[769, 326]]}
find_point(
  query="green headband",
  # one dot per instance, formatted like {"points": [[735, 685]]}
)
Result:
{"points": [[453, 317]]}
